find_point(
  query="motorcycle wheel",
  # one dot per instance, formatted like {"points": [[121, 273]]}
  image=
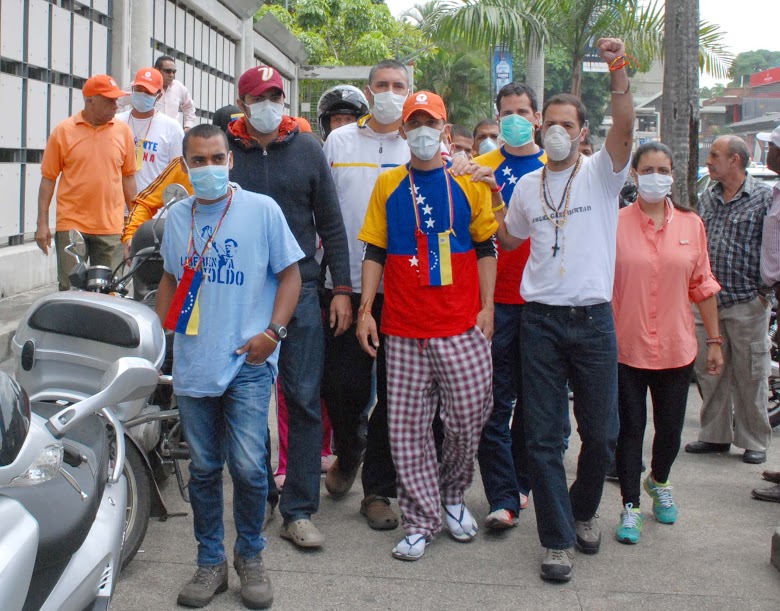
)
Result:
{"points": [[773, 405], [139, 503]]}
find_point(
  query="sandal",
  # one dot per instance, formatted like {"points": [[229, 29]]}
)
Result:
{"points": [[411, 547], [463, 528]]}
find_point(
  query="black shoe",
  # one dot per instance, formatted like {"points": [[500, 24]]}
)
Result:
{"points": [[256, 590], [705, 447], [207, 581], [754, 457]]}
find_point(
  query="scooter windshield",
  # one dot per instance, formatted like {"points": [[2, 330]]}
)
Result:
{"points": [[14, 419]]}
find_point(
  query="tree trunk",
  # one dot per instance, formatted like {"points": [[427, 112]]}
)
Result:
{"points": [[680, 106], [534, 70], [576, 76]]}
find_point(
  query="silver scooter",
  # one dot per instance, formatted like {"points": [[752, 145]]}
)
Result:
{"points": [[67, 340], [63, 493]]}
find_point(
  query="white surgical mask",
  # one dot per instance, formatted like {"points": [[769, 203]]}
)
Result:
{"points": [[424, 142], [557, 143], [266, 116], [487, 145], [652, 188], [387, 106]]}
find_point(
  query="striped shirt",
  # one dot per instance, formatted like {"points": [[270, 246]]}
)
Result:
{"points": [[770, 244], [734, 232]]}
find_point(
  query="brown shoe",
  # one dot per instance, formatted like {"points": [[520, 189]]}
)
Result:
{"points": [[256, 589], [771, 494], [207, 581], [378, 512], [771, 476], [338, 482]]}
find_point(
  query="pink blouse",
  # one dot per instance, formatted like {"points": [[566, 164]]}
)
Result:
{"points": [[657, 275]]}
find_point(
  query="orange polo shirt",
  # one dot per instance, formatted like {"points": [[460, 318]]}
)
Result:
{"points": [[657, 276], [90, 163]]}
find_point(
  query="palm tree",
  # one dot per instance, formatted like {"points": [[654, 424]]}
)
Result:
{"points": [[573, 24], [680, 106]]}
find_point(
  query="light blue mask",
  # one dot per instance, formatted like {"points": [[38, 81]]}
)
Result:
{"points": [[142, 102], [516, 130], [487, 145], [209, 182]]}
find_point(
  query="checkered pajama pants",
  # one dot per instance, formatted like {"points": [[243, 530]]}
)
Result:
{"points": [[456, 374]]}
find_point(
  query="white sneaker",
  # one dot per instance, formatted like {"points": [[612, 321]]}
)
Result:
{"points": [[411, 547], [462, 525], [501, 519]]}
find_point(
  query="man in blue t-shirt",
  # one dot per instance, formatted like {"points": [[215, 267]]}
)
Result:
{"points": [[230, 286]]}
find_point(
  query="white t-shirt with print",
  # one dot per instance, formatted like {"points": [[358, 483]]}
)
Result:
{"points": [[161, 144], [583, 269]]}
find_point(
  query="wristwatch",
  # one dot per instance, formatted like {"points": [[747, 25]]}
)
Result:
{"points": [[280, 330]]}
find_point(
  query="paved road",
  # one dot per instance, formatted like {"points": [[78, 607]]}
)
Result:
{"points": [[715, 557]]}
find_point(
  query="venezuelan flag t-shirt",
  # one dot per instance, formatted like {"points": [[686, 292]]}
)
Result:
{"points": [[433, 293]]}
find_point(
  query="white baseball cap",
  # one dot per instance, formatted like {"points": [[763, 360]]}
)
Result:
{"points": [[773, 136]]}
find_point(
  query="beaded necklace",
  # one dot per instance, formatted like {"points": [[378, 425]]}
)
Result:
{"points": [[558, 215]]}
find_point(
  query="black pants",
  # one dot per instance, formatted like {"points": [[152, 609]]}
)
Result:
{"points": [[346, 387], [669, 392]]}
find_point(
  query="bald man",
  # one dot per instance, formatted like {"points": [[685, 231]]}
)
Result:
{"points": [[734, 403]]}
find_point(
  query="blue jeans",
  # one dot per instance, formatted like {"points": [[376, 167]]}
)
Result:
{"points": [[232, 427], [577, 343], [502, 454], [300, 371]]}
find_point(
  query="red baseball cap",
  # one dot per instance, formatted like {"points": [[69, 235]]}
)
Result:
{"points": [[258, 80], [102, 84], [150, 79], [427, 102]]}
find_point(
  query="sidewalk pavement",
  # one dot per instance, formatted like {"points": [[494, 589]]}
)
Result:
{"points": [[717, 556]]}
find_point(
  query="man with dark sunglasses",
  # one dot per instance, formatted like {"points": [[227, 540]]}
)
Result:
{"points": [[175, 98]]}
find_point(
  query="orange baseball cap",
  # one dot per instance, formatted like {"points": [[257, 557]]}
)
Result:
{"points": [[427, 102], [102, 84], [150, 79]]}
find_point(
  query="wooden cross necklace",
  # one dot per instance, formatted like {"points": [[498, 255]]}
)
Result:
{"points": [[557, 215]]}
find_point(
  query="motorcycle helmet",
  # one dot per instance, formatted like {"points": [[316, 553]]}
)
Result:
{"points": [[14, 419], [340, 100]]}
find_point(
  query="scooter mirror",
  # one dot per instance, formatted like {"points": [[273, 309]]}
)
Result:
{"points": [[127, 379], [77, 246], [174, 192]]}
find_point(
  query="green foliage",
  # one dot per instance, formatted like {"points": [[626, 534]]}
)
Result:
{"points": [[712, 92], [557, 79], [347, 32], [462, 79], [750, 62]]}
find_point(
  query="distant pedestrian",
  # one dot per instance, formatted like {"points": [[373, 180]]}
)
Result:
{"points": [[485, 137], [93, 155], [176, 97]]}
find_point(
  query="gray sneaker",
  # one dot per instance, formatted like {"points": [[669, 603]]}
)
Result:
{"points": [[588, 535], [557, 563], [207, 581], [256, 590]]}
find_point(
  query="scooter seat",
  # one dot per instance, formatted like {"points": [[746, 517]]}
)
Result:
{"points": [[63, 516]]}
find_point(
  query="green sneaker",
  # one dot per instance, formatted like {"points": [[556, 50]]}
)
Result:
{"points": [[630, 527], [664, 509]]}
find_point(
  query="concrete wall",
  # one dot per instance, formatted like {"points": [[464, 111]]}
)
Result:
{"points": [[48, 51]]}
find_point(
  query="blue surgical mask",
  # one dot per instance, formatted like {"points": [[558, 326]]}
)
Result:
{"points": [[142, 102], [209, 182], [516, 130]]}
